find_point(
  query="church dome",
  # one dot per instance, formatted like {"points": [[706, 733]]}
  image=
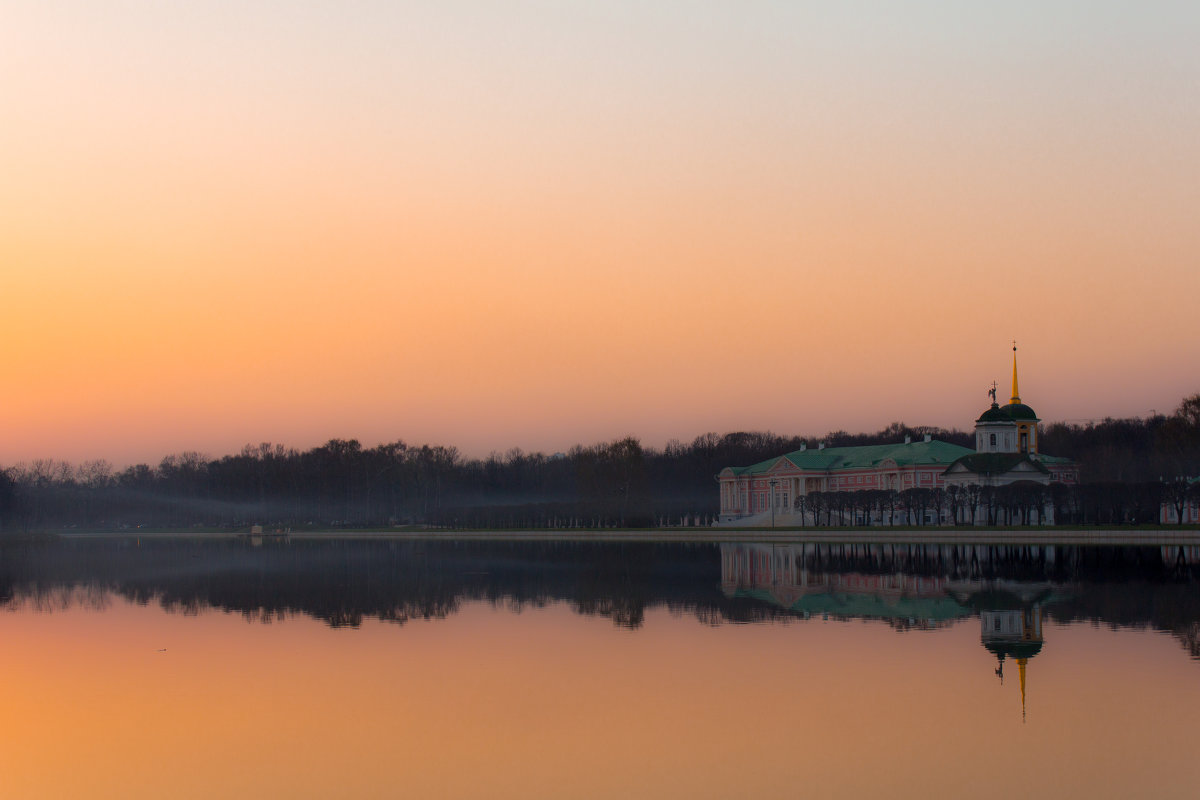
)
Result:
{"points": [[1019, 411], [994, 414]]}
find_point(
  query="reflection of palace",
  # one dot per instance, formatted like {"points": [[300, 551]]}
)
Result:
{"points": [[1006, 453], [777, 574]]}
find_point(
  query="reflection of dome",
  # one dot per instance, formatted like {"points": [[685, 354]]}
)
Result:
{"points": [[1018, 411], [1011, 649], [1011, 632]]}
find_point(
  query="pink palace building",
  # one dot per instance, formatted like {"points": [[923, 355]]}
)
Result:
{"points": [[1006, 452]]}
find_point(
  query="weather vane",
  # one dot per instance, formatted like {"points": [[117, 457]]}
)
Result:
{"points": [[992, 392]]}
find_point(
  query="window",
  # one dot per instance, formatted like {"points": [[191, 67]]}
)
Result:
{"points": [[993, 440]]}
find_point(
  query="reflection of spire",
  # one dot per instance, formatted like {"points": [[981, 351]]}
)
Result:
{"points": [[1021, 666], [1009, 633], [1016, 398]]}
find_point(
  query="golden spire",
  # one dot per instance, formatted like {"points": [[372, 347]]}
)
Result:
{"points": [[1016, 398], [1021, 667]]}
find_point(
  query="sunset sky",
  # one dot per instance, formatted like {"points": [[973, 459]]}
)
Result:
{"points": [[535, 224]]}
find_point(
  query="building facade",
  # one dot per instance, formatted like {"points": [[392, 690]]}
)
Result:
{"points": [[775, 485], [1006, 452], [1185, 508]]}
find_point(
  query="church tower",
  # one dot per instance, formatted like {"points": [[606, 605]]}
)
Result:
{"points": [[995, 431], [1024, 417], [1010, 428]]}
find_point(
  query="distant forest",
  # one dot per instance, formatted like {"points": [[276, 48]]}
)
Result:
{"points": [[1128, 467]]}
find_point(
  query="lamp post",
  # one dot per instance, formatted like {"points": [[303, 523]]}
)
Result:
{"points": [[774, 483]]}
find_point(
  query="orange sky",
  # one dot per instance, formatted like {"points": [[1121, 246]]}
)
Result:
{"points": [[548, 225]]}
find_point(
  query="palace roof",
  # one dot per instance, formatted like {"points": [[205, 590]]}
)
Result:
{"points": [[833, 459], [997, 463]]}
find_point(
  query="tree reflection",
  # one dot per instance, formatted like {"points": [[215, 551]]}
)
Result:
{"points": [[343, 582]]}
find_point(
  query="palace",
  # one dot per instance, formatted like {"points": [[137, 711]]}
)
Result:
{"points": [[1006, 452]]}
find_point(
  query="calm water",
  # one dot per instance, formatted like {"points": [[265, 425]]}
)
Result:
{"points": [[179, 668]]}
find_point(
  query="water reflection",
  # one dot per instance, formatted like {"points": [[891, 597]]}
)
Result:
{"points": [[942, 584], [865, 582], [865, 669], [343, 581], [1010, 589], [930, 586]]}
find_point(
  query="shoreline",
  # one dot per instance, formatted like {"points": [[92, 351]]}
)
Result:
{"points": [[1141, 537]]}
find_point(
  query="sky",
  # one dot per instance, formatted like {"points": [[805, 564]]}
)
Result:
{"points": [[535, 224]]}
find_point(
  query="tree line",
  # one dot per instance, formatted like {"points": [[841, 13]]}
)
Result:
{"points": [[1023, 503], [1128, 467]]}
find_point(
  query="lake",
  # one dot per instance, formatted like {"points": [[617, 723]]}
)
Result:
{"points": [[238, 667]]}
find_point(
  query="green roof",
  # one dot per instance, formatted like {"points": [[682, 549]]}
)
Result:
{"points": [[1011, 412], [833, 459], [996, 463], [1019, 411], [995, 414]]}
